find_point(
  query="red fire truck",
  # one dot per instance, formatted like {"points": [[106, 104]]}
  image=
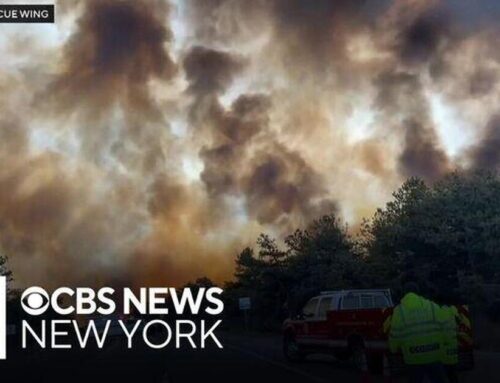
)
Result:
{"points": [[349, 323]]}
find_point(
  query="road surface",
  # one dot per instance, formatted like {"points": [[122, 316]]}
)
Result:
{"points": [[245, 358]]}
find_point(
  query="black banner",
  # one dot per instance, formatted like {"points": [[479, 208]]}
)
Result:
{"points": [[26, 13]]}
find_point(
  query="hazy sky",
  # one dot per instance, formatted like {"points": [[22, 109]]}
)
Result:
{"points": [[149, 141]]}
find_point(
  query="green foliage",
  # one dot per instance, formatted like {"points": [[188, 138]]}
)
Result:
{"points": [[392, 239], [263, 279], [445, 236], [321, 257], [279, 280]]}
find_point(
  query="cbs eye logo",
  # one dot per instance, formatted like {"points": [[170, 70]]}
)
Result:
{"points": [[35, 300]]}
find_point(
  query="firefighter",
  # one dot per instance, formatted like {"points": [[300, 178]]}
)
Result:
{"points": [[416, 329]]}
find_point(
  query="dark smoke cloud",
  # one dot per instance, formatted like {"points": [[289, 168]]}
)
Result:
{"points": [[117, 48], [281, 184], [276, 184], [233, 130], [78, 218], [315, 37], [117, 51], [422, 157], [422, 39], [400, 95], [210, 71], [268, 91], [486, 154]]}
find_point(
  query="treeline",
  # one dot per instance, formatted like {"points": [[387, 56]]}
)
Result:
{"points": [[445, 236]]}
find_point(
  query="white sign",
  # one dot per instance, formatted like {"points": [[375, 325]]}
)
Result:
{"points": [[244, 303]]}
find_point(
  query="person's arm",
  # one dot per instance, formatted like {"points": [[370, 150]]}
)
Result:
{"points": [[395, 331], [446, 320]]}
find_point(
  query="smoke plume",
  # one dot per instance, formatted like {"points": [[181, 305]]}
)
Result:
{"points": [[147, 142]]}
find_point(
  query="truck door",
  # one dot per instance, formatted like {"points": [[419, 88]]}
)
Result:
{"points": [[315, 322], [320, 327], [309, 313], [348, 316]]}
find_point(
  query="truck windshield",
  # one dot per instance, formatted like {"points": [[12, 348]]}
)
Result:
{"points": [[374, 301], [381, 301], [355, 301]]}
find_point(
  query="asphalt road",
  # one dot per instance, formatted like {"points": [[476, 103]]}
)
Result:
{"points": [[245, 358]]}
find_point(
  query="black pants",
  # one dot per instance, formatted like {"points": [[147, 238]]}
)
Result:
{"points": [[435, 373]]}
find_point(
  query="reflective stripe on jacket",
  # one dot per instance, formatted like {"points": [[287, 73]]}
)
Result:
{"points": [[417, 329], [464, 326]]}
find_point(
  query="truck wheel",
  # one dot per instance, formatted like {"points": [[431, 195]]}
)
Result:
{"points": [[292, 350]]}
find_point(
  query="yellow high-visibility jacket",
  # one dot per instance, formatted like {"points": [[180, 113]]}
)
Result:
{"points": [[417, 328]]}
